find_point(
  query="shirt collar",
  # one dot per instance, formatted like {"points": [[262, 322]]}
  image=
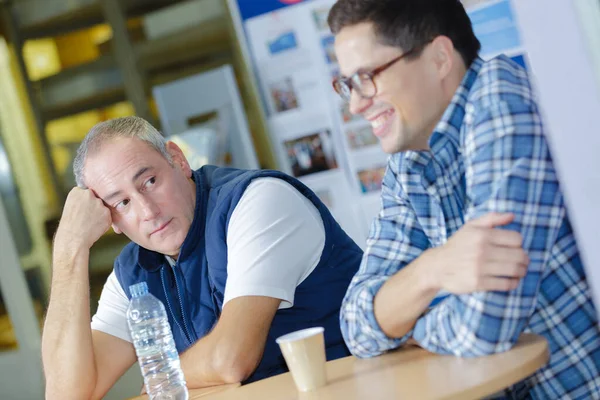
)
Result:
{"points": [[448, 129], [444, 142]]}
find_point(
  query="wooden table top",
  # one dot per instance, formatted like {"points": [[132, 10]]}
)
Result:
{"points": [[199, 393], [408, 373]]}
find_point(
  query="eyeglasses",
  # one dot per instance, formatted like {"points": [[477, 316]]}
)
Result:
{"points": [[364, 81]]}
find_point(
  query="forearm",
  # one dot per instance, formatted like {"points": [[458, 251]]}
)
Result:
{"points": [[405, 297], [217, 359], [472, 325], [379, 310], [234, 348], [67, 350], [199, 365]]}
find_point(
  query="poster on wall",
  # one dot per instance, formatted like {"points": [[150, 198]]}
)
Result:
{"points": [[496, 28], [334, 152], [318, 140]]}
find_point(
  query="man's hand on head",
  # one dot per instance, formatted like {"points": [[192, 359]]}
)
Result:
{"points": [[84, 220]]}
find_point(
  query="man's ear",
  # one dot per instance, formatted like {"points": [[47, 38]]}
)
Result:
{"points": [[116, 229], [443, 55], [178, 158]]}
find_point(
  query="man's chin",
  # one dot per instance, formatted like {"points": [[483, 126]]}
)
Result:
{"points": [[171, 251], [167, 249], [390, 148]]}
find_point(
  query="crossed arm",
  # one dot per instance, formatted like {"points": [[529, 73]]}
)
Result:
{"points": [[493, 275]]}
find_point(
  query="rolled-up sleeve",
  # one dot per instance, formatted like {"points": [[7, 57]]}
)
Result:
{"points": [[508, 169], [395, 239]]}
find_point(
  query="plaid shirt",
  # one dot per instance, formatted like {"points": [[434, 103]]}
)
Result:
{"points": [[488, 153]]}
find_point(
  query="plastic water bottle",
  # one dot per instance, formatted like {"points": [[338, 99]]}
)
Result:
{"points": [[154, 346]]}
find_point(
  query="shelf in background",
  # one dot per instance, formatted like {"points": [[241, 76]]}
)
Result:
{"points": [[191, 44], [82, 88], [100, 83], [92, 102], [159, 77], [84, 14]]}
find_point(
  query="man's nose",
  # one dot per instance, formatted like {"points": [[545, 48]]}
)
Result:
{"points": [[148, 208], [358, 104]]}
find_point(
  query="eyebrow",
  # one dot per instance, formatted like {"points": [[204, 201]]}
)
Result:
{"points": [[358, 71], [139, 173], [348, 76]]}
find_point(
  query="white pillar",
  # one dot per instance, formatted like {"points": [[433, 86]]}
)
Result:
{"points": [[20, 369], [564, 53]]}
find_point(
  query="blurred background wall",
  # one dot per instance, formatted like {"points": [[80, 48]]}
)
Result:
{"points": [[66, 65]]}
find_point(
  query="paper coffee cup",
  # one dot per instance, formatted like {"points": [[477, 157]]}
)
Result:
{"points": [[304, 353]]}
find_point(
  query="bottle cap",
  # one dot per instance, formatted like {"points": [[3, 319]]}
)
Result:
{"points": [[139, 289]]}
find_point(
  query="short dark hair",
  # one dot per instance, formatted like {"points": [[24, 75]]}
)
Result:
{"points": [[410, 24]]}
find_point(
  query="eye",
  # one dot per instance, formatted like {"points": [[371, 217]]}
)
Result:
{"points": [[122, 204], [150, 182], [363, 82], [361, 78]]}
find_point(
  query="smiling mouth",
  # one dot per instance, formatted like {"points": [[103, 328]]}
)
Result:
{"points": [[162, 227], [381, 121]]}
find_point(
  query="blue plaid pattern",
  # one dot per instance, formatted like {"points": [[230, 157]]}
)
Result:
{"points": [[488, 153]]}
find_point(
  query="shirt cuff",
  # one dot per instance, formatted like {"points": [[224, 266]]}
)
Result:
{"points": [[369, 339]]}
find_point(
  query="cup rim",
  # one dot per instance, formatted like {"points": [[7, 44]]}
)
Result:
{"points": [[300, 334]]}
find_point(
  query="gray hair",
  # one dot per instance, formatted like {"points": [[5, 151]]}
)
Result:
{"points": [[126, 127]]}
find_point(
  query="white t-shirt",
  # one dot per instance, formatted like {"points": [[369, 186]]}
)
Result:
{"points": [[274, 241]]}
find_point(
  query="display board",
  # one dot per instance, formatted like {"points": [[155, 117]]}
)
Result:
{"points": [[290, 49]]}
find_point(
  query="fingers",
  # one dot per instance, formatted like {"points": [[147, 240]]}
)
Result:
{"points": [[85, 217], [505, 270], [499, 284], [506, 255], [504, 238], [78, 194], [493, 219]]}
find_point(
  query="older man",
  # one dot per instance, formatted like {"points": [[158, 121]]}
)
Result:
{"points": [[237, 257], [473, 245]]}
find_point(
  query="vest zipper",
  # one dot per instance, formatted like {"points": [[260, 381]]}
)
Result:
{"points": [[162, 280], [187, 331]]}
